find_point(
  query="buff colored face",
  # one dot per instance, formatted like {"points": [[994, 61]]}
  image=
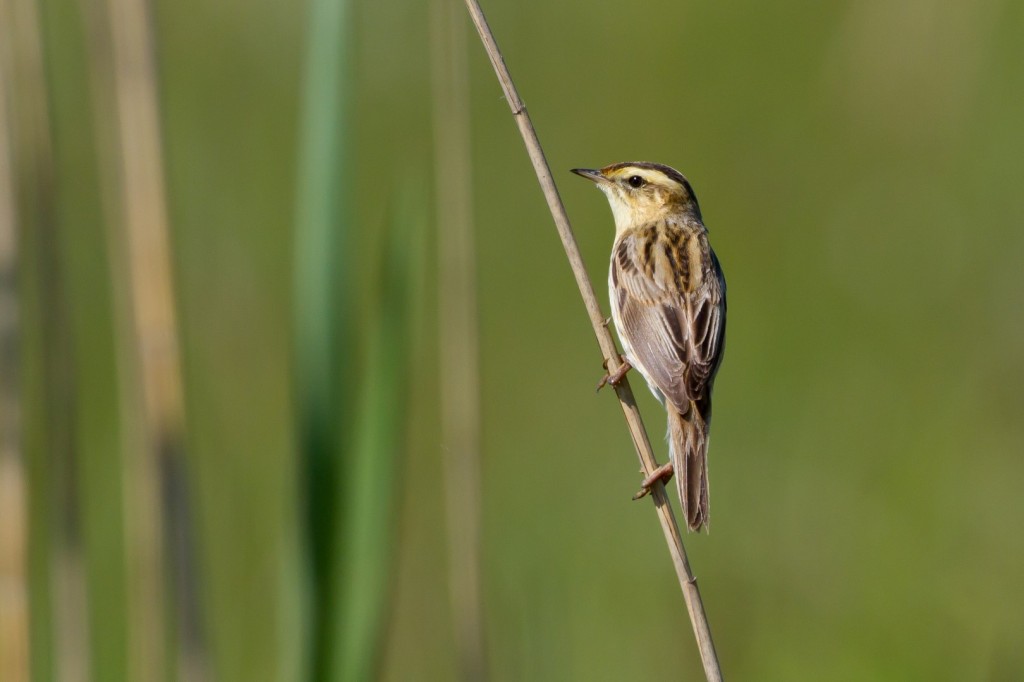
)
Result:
{"points": [[639, 193]]}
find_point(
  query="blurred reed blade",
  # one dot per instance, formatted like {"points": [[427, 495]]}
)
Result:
{"points": [[158, 514], [142, 522], [59, 632], [14, 621], [458, 331], [370, 491], [323, 215]]}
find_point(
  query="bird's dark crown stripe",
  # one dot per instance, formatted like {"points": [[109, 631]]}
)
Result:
{"points": [[646, 165]]}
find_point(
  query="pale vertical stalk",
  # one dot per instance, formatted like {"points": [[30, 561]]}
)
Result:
{"points": [[143, 524], [458, 332], [160, 470], [687, 581], [14, 660]]}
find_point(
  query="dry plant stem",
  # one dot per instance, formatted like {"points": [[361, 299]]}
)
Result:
{"points": [[144, 217], [458, 343], [687, 581], [142, 521]]}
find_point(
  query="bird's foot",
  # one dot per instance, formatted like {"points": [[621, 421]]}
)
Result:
{"points": [[615, 377], [662, 473]]}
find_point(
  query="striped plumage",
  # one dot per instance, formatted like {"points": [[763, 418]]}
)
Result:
{"points": [[667, 294]]}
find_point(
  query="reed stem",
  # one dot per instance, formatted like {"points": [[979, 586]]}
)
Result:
{"points": [[687, 581], [161, 467]]}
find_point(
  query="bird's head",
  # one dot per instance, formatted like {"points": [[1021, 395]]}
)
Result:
{"points": [[641, 192]]}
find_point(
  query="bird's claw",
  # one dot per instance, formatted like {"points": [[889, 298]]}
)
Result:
{"points": [[614, 378], [662, 473]]}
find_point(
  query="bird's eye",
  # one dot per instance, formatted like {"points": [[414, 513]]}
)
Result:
{"points": [[636, 182]]}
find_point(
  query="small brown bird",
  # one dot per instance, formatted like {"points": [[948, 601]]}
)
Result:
{"points": [[667, 294]]}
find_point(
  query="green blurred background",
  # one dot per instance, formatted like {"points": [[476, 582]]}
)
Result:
{"points": [[859, 167]]}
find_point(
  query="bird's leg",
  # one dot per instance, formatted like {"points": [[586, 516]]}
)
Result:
{"points": [[615, 377], [664, 472]]}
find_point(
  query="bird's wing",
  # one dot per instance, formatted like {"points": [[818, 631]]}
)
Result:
{"points": [[672, 319]]}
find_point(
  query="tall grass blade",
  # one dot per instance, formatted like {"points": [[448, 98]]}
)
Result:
{"points": [[59, 627], [321, 310], [371, 487]]}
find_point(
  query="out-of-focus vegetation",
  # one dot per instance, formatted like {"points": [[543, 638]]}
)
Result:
{"points": [[858, 165]]}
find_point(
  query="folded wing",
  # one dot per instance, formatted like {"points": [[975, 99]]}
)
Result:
{"points": [[670, 298]]}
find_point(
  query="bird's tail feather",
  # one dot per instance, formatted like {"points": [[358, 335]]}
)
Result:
{"points": [[688, 449]]}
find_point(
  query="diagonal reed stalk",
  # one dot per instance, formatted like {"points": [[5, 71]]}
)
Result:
{"points": [[457, 327], [687, 581]]}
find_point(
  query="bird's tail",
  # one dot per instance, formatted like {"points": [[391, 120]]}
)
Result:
{"points": [[688, 449]]}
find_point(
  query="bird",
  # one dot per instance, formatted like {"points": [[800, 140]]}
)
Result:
{"points": [[667, 294]]}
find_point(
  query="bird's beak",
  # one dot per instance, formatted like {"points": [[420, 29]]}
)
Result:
{"points": [[590, 174]]}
